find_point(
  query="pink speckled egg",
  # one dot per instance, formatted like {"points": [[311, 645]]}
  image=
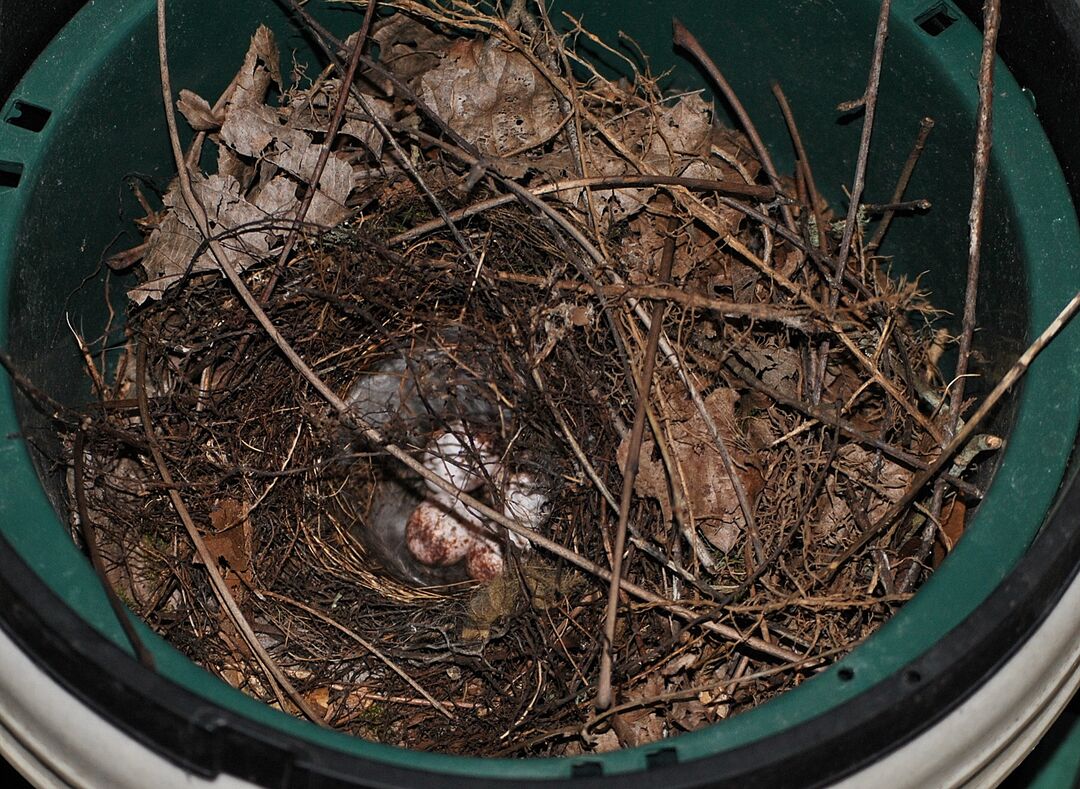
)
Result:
{"points": [[436, 535], [484, 561]]}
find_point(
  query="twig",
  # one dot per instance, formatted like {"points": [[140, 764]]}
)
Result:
{"points": [[365, 644], [804, 163], [57, 411], [926, 125], [684, 39], [633, 461], [604, 182], [922, 204], [96, 559], [575, 446], [794, 317], [869, 104], [983, 144]]}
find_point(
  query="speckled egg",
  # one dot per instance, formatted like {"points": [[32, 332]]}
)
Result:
{"points": [[437, 535], [485, 560]]}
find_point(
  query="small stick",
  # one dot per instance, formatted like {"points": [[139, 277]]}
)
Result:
{"points": [[633, 461], [752, 191], [983, 144], [966, 432], [926, 125], [684, 39], [804, 163], [794, 317], [891, 208], [96, 559], [869, 104], [788, 535]]}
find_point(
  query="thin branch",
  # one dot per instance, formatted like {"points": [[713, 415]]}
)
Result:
{"points": [[869, 104], [324, 153], [926, 125], [983, 144], [753, 191], [684, 39], [633, 461], [804, 163]]}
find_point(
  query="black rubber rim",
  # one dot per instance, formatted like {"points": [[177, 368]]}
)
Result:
{"points": [[209, 740]]}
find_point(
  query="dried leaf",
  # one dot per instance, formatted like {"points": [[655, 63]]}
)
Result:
{"points": [[863, 469], [198, 112], [259, 69], [953, 521], [231, 542], [408, 47], [709, 489], [491, 96], [777, 367], [256, 132], [681, 130], [174, 243], [679, 664], [646, 724]]}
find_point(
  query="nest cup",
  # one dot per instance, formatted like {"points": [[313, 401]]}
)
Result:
{"points": [[62, 205]]}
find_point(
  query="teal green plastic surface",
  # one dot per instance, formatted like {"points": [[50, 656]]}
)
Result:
{"points": [[99, 80]]}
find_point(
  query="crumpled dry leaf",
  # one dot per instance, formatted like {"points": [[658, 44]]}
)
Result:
{"points": [[491, 96], [197, 111], [260, 68], [646, 724], [407, 47], [680, 130], [697, 262], [230, 542], [668, 140], [311, 111], [256, 132], [888, 486], [173, 244], [710, 491], [778, 368]]}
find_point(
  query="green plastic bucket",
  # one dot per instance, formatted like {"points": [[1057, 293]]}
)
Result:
{"points": [[89, 113]]}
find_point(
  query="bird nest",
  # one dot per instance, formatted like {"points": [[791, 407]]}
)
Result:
{"points": [[574, 321]]}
